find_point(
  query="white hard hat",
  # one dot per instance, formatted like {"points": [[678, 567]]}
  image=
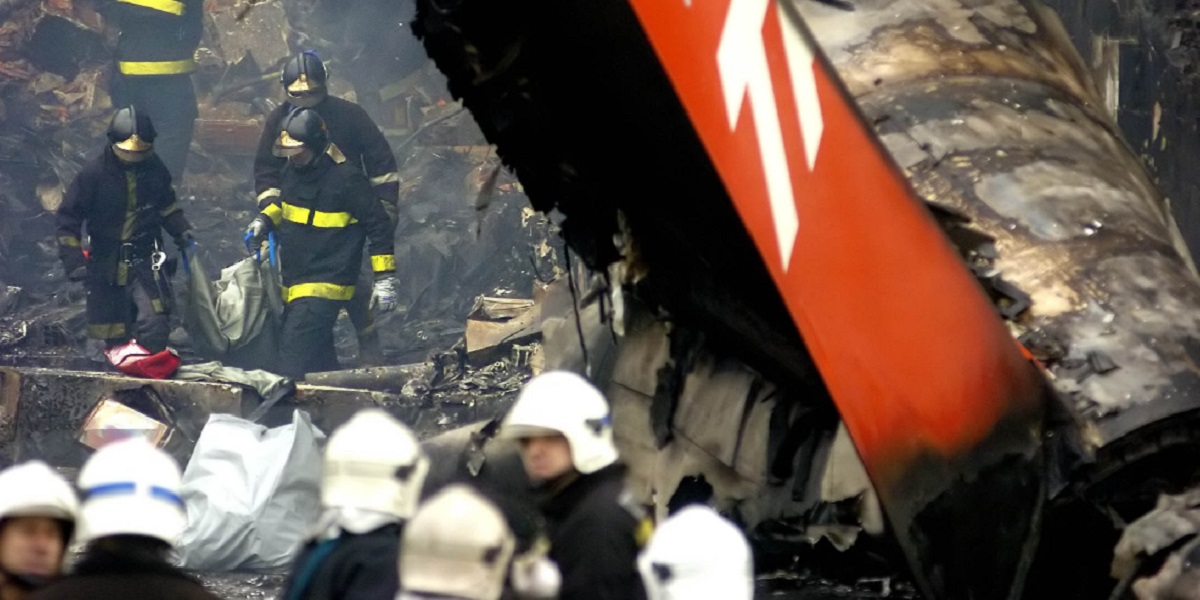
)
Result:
{"points": [[458, 544], [696, 553], [131, 488], [566, 403], [373, 462], [33, 489]]}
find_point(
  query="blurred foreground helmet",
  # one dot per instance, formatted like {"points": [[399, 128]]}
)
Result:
{"points": [[458, 545], [131, 488], [373, 462], [697, 554], [302, 129], [562, 402], [33, 489], [131, 134], [304, 79]]}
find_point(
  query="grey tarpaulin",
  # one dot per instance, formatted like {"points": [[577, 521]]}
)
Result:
{"points": [[270, 387], [235, 319], [252, 493]]}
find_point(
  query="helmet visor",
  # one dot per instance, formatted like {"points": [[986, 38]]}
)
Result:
{"points": [[287, 146], [131, 156], [134, 143]]}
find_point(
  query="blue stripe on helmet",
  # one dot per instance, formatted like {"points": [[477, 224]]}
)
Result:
{"points": [[128, 488]]}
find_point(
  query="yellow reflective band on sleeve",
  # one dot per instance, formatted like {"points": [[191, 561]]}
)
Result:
{"points": [[330, 291], [274, 213], [69, 241], [167, 6], [645, 529], [106, 331], [165, 67], [170, 210], [301, 215], [267, 193], [383, 262], [389, 178]]}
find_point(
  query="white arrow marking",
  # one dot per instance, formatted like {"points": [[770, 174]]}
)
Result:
{"points": [[742, 60], [804, 87]]}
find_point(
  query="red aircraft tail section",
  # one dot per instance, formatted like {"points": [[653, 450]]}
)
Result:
{"points": [[943, 408]]}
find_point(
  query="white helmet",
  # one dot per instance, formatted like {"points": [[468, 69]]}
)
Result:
{"points": [[566, 403], [131, 488], [374, 462], [458, 544], [33, 489], [697, 554]]}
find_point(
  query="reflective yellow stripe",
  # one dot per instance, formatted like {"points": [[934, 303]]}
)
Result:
{"points": [[645, 529], [70, 241], [301, 215], [167, 6], [165, 67], [130, 206], [383, 262], [267, 193], [389, 178], [106, 331], [157, 305], [331, 291], [273, 212], [170, 210]]}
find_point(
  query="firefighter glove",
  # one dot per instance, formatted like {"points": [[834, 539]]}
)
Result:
{"points": [[256, 233], [76, 266], [186, 241], [385, 296]]}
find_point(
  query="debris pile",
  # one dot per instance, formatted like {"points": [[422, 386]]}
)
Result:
{"points": [[465, 228]]}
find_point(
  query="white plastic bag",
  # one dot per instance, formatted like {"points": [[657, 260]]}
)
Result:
{"points": [[252, 494]]}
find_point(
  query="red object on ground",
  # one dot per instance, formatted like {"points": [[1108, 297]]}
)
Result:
{"points": [[132, 359]]}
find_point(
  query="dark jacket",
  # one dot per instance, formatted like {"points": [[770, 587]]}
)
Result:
{"points": [[595, 530], [105, 575], [156, 32], [121, 204], [322, 216], [349, 567], [351, 130]]}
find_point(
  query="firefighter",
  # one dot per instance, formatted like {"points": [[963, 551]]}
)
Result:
{"points": [[38, 509], [371, 482], [457, 546], [155, 49], [130, 519], [696, 553], [564, 428], [324, 213], [304, 80], [124, 198]]}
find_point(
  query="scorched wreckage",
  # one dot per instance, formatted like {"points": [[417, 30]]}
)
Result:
{"points": [[869, 270]]}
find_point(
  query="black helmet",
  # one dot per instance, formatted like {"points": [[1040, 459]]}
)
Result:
{"points": [[304, 76], [131, 131], [302, 128]]}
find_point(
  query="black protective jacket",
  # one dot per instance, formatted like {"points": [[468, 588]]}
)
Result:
{"points": [[349, 567], [352, 131], [157, 37], [108, 575], [596, 531], [125, 207], [323, 215]]}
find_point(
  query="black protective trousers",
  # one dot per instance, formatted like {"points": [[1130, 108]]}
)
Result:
{"points": [[118, 313], [306, 339]]}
